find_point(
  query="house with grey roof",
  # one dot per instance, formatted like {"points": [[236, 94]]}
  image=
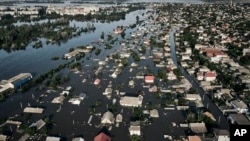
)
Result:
{"points": [[240, 106], [239, 119]]}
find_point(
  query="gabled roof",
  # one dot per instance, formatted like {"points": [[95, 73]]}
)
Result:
{"points": [[108, 117], [194, 138], [149, 78], [102, 137], [210, 74]]}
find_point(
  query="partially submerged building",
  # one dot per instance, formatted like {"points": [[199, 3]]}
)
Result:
{"points": [[131, 101], [15, 82], [108, 118], [33, 110]]}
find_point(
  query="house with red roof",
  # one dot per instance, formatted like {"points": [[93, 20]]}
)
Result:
{"points": [[149, 79], [97, 81], [118, 30], [146, 41], [102, 137], [210, 76]]}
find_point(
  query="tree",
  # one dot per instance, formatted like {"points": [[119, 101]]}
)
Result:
{"points": [[178, 73], [137, 19], [102, 35]]}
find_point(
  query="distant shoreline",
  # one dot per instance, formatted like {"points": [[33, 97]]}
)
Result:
{"points": [[226, 1]]}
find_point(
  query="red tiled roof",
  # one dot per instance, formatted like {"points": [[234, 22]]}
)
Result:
{"points": [[97, 81], [194, 138], [213, 52], [149, 78], [210, 74], [102, 137]]}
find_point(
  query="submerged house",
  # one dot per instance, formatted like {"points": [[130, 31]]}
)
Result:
{"points": [[135, 128], [149, 79], [102, 137], [131, 101], [108, 118]]}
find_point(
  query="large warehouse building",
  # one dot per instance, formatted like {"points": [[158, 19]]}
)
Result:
{"points": [[15, 82]]}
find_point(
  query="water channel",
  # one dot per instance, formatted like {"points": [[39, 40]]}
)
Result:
{"points": [[220, 119]]}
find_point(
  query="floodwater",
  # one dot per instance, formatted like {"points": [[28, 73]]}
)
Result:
{"points": [[38, 61], [71, 120]]}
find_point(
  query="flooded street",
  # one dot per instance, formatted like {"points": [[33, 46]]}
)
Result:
{"points": [[68, 120]]}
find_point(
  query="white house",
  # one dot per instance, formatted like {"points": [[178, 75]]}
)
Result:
{"points": [[131, 101], [204, 69], [188, 51], [118, 118], [200, 76], [154, 113], [135, 128], [210, 76], [75, 101], [192, 97], [58, 99], [50, 138], [78, 139], [171, 76], [185, 57], [108, 118], [108, 91]]}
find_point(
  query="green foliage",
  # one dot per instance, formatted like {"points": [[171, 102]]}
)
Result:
{"points": [[135, 138], [71, 49], [191, 116], [135, 56], [110, 37], [102, 35], [97, 51], [138, 113], [108, 46], [142, 50], [31, 130], [112, 108], [182, 102], [55, 58], [168, 99], [245, 60], [123, 34], [205, 119], [178, 73], [115, 56], [124, 62], [219, 101]]}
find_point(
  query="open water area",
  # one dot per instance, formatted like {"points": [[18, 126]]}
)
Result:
{"points": [[72, 120]]}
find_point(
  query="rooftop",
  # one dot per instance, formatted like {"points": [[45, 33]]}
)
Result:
{"points": [[20, 76], [240, 119]]}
